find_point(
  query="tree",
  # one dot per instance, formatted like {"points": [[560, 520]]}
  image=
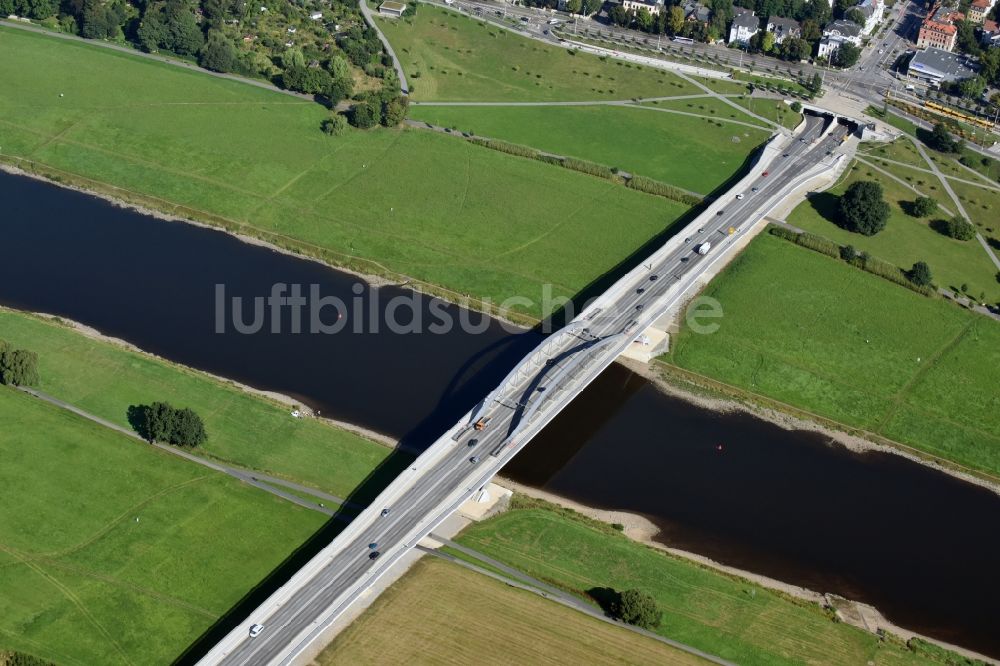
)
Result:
{"points": [[815, 83], [394, 111], [972, 88], [590, 6], [846, 55], [309, 80], [796, 49], [335, 125], [159, 422], [920, 274], [856, 16], [363, 116], [862, 208], [218, 53], [941, 141], [574, 6], [810, 30], [644, 19], [18, 367], [796, 107], [767, 42], [620, 16], [185, 35], [675, 22], [966, 40], [638, 608], [959, 228], [339, 67], [924, 207]]}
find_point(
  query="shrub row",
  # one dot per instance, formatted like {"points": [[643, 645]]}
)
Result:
{"points": [[655, 187], [640, 183], [862, 260]]}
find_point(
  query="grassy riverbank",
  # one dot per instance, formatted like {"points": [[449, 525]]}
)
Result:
{"points": [[248, 431], [112, 552], [820, 335], [698, 155], [429, 614], [389, 202], [723, 615]]}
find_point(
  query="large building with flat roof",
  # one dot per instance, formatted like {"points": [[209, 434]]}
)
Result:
{"points": [[934, 66]]}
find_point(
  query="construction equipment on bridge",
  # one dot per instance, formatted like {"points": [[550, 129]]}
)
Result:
{"points": [[704, 248], [483, 422]]}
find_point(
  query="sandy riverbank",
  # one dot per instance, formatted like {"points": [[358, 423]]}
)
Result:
{"points": [[641, 529]]}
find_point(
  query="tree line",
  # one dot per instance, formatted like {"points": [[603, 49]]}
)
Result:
{"points": [[161, 422]]}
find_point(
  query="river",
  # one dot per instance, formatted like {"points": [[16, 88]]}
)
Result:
{"points": [[918, 544]]}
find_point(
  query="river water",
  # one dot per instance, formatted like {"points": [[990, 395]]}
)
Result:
{"points": [[918, 544]]}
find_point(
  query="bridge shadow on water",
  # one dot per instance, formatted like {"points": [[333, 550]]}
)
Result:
{"points": [[475, 378]]}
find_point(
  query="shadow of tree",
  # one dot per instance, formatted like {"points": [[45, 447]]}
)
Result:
{"points": [[138, 418], [827, 206], [607, 598]]}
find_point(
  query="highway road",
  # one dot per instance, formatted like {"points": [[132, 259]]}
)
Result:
{"points": [[542, 384]]}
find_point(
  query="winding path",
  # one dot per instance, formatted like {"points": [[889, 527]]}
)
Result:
{"points": [[370, 20]]}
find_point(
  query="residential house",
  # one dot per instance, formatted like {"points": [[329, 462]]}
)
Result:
{"points": [[836, 33], [745, 25], [989, 34], [316, 16], [936, 35], [783, 28], [695, 11], [978, 10], [654, 7]]}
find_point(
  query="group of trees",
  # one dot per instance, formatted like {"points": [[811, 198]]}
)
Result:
{"points": [[940, 139], [862, 208], [18, 367], [631, 606], [200, 28], [368, 113], [160, 422]]}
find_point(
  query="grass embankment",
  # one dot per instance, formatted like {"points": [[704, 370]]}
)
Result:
{"points": [[112, 552], [906, 239], [454, 57], [693, 153], [723, 615], [393, 202], [430, 614], [104, 379], [820, 335]]}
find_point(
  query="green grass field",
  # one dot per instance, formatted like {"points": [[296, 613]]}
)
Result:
{"points": [[461, 59], [905, 239], [114, 553], [980, 203], [694, 153], [732, 618], [411, 202], [104, 379], [818, 334]]}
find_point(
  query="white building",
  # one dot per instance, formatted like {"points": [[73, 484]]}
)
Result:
{"points": [[835, 34], [745, 25], [654, 7], [872, 11]]}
